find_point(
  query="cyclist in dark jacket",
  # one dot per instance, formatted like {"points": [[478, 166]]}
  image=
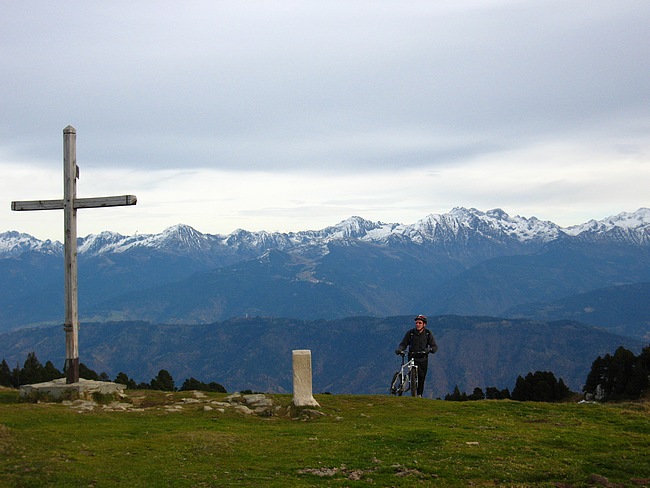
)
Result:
{"points": [[420, 342]]}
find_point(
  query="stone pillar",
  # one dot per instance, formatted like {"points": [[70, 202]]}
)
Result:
{"points": [[302, 393]]}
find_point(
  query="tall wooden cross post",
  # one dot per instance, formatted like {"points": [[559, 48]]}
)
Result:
{"points": [[70, 204]]}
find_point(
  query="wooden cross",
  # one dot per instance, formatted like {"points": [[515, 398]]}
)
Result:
{"points": [[70, 204]]}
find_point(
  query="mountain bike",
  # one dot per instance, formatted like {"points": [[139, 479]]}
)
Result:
{"points": [[405, 379]]}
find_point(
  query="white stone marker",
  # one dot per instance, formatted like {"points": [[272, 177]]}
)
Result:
{"points": [[302, 393]]}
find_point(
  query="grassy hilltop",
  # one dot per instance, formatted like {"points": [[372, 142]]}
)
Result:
{"points": [[184, 439]]}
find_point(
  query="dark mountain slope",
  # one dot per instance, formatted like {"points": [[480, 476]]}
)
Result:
{"points": [[31, 286], [275, 284], [352, 355], [624, 309], [565, 267]]}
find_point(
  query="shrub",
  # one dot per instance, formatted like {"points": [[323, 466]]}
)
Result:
{"points": [[194, 384]]}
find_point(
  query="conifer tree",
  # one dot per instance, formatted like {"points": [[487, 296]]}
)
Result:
{"points": [[50, 372], [32, 372], [620, 373], [86, 373], [192, 384], [644, 359], [123, 379], [597, 374], [163, 381], [520, 391], [456, 396], [216, 387], [477, 394], [5, 374], [15, 376], [621, 376], [541, 386]]}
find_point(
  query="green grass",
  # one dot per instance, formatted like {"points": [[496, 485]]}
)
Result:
{"points": [[361, 441]]}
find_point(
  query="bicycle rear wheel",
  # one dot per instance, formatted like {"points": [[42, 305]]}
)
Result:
{"points": [[414, 381]]}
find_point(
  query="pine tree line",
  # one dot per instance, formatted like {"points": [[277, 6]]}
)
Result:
{"points": [[540, 386], [621, 376], [34, 372]]}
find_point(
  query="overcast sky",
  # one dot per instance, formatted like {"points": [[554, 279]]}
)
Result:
{"points": [[288, 116]]}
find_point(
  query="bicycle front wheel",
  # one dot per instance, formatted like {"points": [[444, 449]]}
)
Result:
{"points": [[396, 384], [414, 381]]}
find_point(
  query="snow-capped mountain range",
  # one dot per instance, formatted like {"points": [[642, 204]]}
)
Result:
{"points": [[458, 226], [464, 262]]}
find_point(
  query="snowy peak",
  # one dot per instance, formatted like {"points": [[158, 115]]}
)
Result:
{"points": [[626, 227], [181, 232], [175, 239], [14, 243], [460, 223], [260, 241], [100, 243], [461, 227], [182, 237], [353, 228], [625, 220]]}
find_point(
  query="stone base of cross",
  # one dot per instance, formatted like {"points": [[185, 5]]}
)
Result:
{"points": [[69, 205]]}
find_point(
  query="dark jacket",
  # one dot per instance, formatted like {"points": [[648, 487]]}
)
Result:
{"points": [[419, 344]]}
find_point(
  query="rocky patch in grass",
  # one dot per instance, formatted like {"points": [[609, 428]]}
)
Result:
{"points": [[246, 404], [343, 471]]}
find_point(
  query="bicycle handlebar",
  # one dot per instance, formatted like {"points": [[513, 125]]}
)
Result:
{"points": [[416, 354], [420, 353]]}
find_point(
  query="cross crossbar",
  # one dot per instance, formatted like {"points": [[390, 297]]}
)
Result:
{"points": [[93, 202]]}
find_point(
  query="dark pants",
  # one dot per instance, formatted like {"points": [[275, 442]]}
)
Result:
{"points": [[422, 365]]}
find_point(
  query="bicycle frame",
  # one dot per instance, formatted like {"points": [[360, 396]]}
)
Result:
{"points": [[405, 379]]}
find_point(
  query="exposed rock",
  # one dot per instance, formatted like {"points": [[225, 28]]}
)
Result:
{"points": [[59, 390], [235, 398], [258, 400], [243, 409], [190, 400], [253, 404], [118, 406]]}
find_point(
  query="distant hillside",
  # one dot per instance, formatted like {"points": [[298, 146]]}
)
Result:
{"points": [[561, 269], [624, 309], [352, 355]]}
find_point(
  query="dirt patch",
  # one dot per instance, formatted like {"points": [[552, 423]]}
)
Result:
{"points": [[322, 472], [6, 438]]}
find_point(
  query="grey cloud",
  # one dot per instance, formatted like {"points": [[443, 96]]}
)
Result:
{"points": [[316, 85]]}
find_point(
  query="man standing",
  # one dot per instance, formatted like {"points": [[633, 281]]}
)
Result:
{"points": [[420, 342]]}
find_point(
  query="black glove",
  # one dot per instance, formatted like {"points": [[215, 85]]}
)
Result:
{"points": [[399, 352]]}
